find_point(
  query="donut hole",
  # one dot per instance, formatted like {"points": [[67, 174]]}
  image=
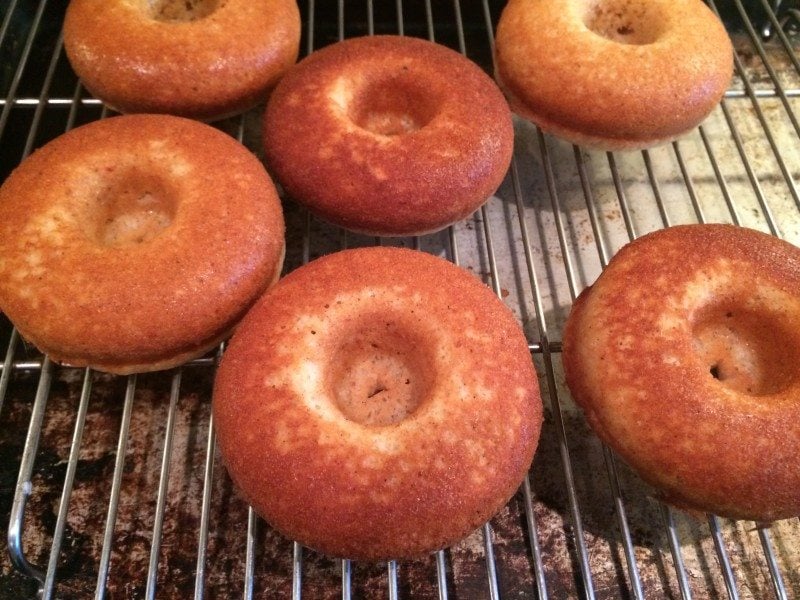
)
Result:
{"points": [[381, 373], [182, 10], [132, 208], [392, 106], [750, 352], [624, 21]]}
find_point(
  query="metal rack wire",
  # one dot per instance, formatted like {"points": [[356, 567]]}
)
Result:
{"points": [[118, 488]]}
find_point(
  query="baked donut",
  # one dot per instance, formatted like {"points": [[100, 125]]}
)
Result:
{"points": [[204, 59], [377, 403], [369, 135], [685, 356], [136, 243], [613, 74]]}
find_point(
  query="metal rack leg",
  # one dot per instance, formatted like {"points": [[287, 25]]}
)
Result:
{"points": [[24, 484]]}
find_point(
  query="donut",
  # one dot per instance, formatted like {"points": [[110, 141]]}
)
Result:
{"points": [[378, 403], [203, 59], [369, 135], [136, 243], [685, 356], [613, 74]]}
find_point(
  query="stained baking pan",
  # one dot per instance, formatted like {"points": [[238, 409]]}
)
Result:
{"points": [[112, 486]]}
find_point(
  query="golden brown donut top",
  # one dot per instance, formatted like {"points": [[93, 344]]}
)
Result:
{"points": [[132, 240], [613, 73], [215, 59], [377, 403], [685, 355], [388, 135]]}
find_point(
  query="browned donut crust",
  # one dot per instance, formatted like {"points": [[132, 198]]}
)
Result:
{"points": [[685, 356], [204, 59], [136, 243], [388, 135], [377, 403], [613, 74]]}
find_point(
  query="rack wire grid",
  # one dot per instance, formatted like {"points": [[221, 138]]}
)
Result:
{"points": [[113, 487]]}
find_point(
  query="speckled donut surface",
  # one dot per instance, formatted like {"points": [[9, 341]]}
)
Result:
{"points": [[136, 243], [388, 135], [377, 403], [204, 59], [613, 74], [685, 356]]}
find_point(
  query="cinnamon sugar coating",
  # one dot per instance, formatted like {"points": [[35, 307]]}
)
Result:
{"points": [[136, 243], [685, 356], [388, 135], [377, 404]]}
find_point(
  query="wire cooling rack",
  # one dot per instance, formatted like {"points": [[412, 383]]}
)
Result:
{"points": [[112, 486]]}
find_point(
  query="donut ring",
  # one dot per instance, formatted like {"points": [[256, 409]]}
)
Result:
{"points": [[697, 387], [377, 403], [368, 135], [613, 74], [136, 243], [204, 59]]}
